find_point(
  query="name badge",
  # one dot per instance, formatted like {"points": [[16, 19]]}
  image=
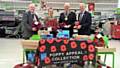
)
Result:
{"points": [[75, 30], [49, 28], [36, 23], [66, 18]]}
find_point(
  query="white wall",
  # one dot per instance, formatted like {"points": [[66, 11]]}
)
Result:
{"points": [[118, 3]]}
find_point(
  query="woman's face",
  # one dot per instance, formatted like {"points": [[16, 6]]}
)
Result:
{"points": [[50, 12]]}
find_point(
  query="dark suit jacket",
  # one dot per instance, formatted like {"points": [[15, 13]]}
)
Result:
{"points": [[27, 24], [71, 18], [85, 23]]}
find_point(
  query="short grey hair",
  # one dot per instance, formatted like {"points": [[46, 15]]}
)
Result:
{"points": [[82, 4], [66, 4], [31, 5]]}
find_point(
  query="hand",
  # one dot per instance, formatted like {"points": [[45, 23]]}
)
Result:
{"points": [[75, 27], [77, 23], [34, 29], [79, 26], [69, 26]]}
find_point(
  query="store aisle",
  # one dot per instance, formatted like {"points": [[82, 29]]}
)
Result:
{"points": [[11, 52]]}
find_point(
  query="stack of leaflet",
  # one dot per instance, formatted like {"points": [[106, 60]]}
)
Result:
{"points": [[63, 34], [48, 36]]}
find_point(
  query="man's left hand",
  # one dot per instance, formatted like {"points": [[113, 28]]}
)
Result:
{"points": [[69, 26], [79, 26], [34, 29]]}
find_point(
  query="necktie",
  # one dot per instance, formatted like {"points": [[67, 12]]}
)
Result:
{"points": [[66, 13], [81, 15]]}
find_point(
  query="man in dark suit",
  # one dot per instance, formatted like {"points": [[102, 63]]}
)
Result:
{"points": [[67, 17], [27, 22], [85, 20]]}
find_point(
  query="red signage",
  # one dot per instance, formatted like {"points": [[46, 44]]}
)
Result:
{"points": [[91, 6]]}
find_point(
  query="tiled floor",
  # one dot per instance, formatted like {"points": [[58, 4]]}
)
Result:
{"points": [[11, 52]]}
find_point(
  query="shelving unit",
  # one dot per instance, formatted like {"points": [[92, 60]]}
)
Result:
{"points": [[105, 6], [13, 4]]}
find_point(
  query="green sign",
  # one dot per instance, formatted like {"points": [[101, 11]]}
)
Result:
{"points": [[35, 1], [84, 1], [117, 11]]}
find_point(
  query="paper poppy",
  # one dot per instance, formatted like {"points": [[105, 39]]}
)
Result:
{"points": [[83, 45], [47, 60], [50, 41], [73, 45], [66, 41], [91, 56], [63, 48], [42, 41], [36, 25], [91, 48], [42, 48], [85, 57], [53, 48], [58, 40]]}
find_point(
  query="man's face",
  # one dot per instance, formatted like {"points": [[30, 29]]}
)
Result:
{"points": [[82, 8], [32, 8], [66, 7]]}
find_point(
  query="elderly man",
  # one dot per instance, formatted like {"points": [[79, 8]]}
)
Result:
{"points": [[67, 17], [85, 21], [27, 22]]}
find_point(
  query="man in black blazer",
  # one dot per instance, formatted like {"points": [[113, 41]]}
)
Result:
{"points": [[67, 17], [27, 22], [85, 20]]}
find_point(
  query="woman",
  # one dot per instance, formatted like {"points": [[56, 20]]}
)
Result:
{"points": [[51, 21]]}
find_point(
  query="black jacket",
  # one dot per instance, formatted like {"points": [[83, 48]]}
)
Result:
{"points": [[85, 23], [27, 21], [71, 18]]}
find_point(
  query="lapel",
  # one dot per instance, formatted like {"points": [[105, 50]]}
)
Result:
{"points": [[30, 15], [78, 17], [30, 18], [83, 17]]}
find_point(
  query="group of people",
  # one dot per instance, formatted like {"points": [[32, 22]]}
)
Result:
{"points": [[81, 22]]}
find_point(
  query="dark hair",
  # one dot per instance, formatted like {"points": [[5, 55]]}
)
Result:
{"points": [[50, 8]]}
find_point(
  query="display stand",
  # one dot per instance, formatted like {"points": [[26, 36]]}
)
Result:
{"points": [[28, 45], [107, 51], [33, 44]]}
